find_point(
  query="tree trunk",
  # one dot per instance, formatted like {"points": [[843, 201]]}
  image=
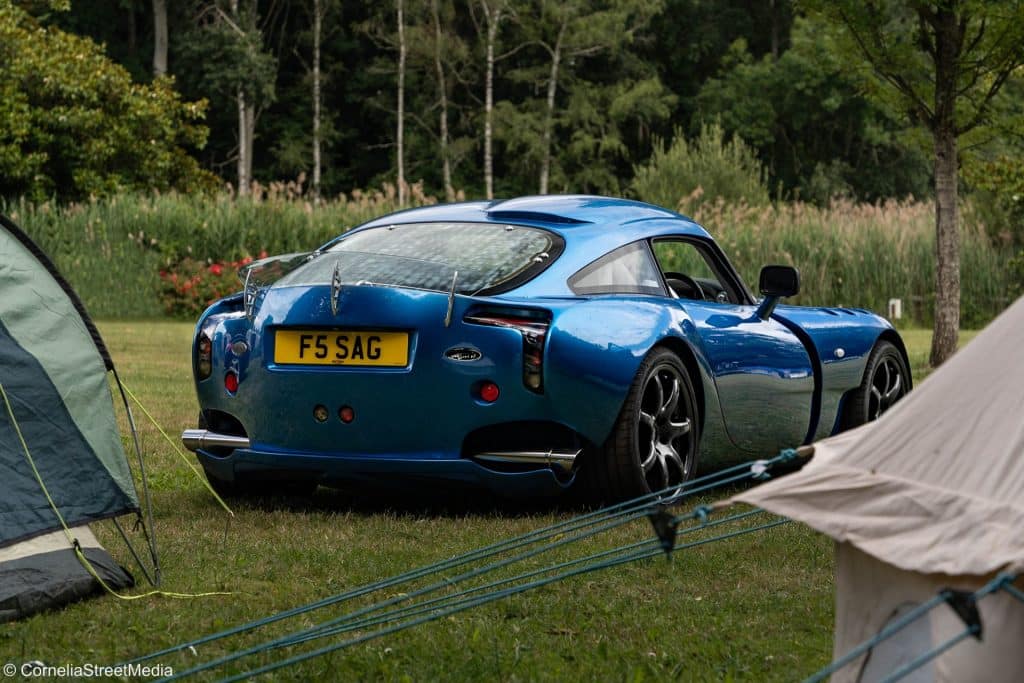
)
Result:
{"points": [[244, 144], [442, 86], [400, 132], [492, 35], [948, 44], [549, 118], [159, 37], [317, 26], [947, 250]]}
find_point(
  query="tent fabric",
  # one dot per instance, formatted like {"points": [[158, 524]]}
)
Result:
{"points": [[40, 318], [44, 573], [871, 593], [937, 484], [54, 372], [75, 477]]}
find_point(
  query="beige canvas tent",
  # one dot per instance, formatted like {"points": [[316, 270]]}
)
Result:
{"points": [[929, 497]]}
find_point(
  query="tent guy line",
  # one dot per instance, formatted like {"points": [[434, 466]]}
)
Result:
{"points": [[72, 539], [585, 526], [1003, 582]]}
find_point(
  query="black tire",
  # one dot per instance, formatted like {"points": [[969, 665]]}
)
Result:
{"points": [[654, 443], [886, 380]]}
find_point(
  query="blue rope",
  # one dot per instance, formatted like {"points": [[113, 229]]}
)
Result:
{"points": [[1001, 582], [674, 495], [491, 597]]}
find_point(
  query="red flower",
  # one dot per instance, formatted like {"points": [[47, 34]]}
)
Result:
{"points": [[216, 269]]}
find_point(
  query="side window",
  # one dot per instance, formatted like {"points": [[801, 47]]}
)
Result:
{"points": [[627, 270], [690, 272]]}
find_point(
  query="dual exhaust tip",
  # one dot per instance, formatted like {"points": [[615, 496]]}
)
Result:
{"points": [[196, 439]]}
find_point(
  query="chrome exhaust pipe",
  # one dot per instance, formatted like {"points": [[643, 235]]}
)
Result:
{"points": [[561, 459], [194, 439]]}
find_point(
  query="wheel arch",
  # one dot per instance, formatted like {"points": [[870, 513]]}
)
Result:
{"points": [[687, 355], [892, 336]]}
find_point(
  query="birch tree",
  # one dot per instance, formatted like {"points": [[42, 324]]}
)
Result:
{"points": [[159, 37]]}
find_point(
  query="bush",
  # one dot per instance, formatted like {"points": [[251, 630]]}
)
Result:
{"points": [[72, 121], [188, 288], [689, 174]]}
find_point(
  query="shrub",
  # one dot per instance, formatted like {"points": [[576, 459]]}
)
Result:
{"points": [[188, 288], [73, 122], [687, 174]]}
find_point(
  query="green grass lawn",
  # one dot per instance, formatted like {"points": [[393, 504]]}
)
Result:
{"points": [[757, 607]]}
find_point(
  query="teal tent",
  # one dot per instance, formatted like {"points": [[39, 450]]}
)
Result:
{"points": [[62, 463]]}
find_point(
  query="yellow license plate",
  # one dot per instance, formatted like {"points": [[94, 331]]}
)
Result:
{"points": [[341, 347]]}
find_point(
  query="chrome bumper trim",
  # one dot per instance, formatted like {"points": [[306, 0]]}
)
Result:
{"points": [[194, 439], [561, 459]]}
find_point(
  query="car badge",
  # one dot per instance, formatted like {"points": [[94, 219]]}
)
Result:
{"points": [[462, 354], [335, 288]]}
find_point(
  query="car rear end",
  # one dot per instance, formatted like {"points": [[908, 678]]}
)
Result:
{"points": [[368, 363]]}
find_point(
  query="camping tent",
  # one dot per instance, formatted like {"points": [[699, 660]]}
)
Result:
{"points": [[929, 497], [60, 447]]}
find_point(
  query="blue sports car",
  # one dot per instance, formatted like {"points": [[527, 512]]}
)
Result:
{"points": [[528, 346]]}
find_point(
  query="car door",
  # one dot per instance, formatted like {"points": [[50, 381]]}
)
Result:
{"points": [[762, 371]]}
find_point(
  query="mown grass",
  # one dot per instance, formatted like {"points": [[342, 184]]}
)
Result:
{"points": [[757, 607], [848, 254]]}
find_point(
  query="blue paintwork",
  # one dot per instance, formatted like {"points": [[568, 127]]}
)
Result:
{"points": [[763, 384]]}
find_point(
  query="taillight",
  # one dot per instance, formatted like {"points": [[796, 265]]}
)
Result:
{"points": [[533, 325], [204, 356]]}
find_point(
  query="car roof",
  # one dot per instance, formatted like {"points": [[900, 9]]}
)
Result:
{"points": [[590, 225]]}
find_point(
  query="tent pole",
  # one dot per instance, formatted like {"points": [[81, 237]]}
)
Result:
{"points": [[148, 530]]}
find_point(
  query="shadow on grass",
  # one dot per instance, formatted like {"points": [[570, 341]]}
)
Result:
{"points": [[443, 502]]}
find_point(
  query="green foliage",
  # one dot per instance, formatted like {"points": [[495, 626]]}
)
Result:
{"points": [[688, 174], [998, 197], [805, 114], [188, 287], [120, 245], [1016, 268], [73, 124]]}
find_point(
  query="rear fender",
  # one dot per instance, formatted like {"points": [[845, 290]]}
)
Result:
{"points": [[595, 348]]}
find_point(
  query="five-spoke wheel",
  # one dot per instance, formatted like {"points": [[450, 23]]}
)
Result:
{"points": [[654, 444]]}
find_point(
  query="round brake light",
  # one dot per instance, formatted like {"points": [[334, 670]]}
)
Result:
{"points": [[489, 392], [231, 382]]}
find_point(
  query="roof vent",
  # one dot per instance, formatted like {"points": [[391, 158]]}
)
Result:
{"points": [[534, 216]]}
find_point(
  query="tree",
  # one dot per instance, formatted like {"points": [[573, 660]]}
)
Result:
{"points": [[159, 37], [568, 33], [493, 12], [400, 124], [74, 125], [943, 62], [806, 115], [227, 55]]}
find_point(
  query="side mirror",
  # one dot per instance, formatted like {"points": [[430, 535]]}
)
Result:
{"points": [[776, 282]]}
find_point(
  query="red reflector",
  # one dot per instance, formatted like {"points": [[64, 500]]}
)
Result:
{"points": [[346, 414], [231, 382], [489, 392]]}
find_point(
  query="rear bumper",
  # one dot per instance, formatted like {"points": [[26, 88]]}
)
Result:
{"points": [[411, 471]]}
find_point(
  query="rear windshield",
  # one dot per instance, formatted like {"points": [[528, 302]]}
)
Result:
{"points": [[481, 258]]}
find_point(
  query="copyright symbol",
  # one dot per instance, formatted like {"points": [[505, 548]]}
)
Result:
{"points": [[10, 669]]}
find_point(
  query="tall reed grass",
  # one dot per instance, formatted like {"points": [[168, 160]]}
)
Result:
{"points": [[862, 255], [851, 254]]}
